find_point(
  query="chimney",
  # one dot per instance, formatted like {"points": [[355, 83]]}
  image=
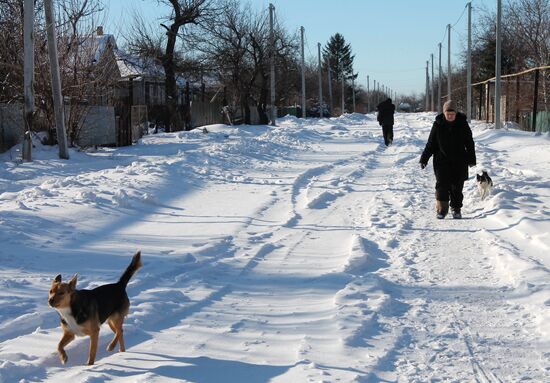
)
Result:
{"points": [[100, 31]]}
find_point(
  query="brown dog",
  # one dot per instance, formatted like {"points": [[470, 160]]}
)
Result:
{"points": [[83, 311]]}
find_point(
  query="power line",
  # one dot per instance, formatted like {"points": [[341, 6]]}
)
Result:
{"points": [[462, 15], [452, 26]]}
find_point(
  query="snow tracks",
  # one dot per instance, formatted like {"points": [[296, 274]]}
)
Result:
{"points": [[320, 261]]}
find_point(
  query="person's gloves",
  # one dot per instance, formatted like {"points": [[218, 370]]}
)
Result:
{"points": [[423, 165]]}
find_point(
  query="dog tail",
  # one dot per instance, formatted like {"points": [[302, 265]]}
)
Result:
{"points": [[131, 269]]}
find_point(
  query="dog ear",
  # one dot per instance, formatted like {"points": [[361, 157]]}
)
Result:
{"points": [[57, 279], [72, 282]]}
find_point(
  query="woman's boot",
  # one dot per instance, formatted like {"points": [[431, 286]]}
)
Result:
{"points": [[442, 208]]}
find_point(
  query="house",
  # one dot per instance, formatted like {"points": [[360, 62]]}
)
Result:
{"points": [[144, 80]]}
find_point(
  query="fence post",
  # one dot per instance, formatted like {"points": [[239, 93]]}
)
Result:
{"points": [[517, 99], [129, 132], [487, 100], [535, 100], [188, 116], [507, 104], [479, 114]]}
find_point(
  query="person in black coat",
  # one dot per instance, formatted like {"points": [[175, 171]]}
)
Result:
{"points": [[385, 118], [452, 146]]}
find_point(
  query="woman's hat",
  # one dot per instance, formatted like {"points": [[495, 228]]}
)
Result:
{"points": [[449, 106]]}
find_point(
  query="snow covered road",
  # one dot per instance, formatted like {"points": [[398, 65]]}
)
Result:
{"points": [[309, 252]]}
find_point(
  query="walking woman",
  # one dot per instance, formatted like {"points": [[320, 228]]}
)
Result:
{"points": [[386, 111], [452, 146]]}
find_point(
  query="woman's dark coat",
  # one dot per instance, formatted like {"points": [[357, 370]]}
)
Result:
{"points": [[452, 146], [385, 112]]}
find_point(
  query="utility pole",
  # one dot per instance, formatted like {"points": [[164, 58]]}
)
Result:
{"points": [[498, 65], [368, 95], [375, 101], [320, 81], [303, 76], [272, 70], [449, 63], [28, 80], [432, 85], [469, 67], [353, 92], [343, 86], [56, 82], [329, 84], [439, 83], [427, 87]]}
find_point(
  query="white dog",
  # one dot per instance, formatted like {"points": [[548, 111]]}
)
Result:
{"points": [[484, 184]]}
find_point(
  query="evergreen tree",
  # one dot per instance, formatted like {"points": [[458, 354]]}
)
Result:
{"points": [[337, 56]]}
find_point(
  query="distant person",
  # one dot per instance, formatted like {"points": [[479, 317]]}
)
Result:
{"points": [[385, 118], [452, 146]]}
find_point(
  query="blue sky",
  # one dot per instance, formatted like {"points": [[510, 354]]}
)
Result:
{"points": [[391, 39]]}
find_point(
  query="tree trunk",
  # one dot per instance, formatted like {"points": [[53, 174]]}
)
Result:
{"points": [[173, 120], [245, 108]]}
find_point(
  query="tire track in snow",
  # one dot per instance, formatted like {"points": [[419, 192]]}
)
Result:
{"points": [[286, 257]]}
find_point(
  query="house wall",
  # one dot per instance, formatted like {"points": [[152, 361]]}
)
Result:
{"points": [[11, 125]]}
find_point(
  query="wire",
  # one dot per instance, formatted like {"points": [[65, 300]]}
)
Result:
{"points": [[460, 18], [306, 44], [452, 26]]}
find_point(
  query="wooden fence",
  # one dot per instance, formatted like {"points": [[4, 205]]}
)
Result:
{"points": [[525, 99]]}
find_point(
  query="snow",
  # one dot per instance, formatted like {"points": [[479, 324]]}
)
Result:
{"points": [[306, 252]]}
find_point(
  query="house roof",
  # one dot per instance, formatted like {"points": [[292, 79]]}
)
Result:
{"points": [[101, 43], [134, 67]]}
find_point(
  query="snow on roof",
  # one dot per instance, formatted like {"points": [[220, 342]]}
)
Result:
{"points": [[138, 68], [132, 66], [101, 43]]}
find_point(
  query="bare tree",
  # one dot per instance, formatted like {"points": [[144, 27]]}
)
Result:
{"points": [[258, 50], [81, 44], [147, 42], [11, 51], [82, 76], [528, 25], [236, 46], [223, 44]]}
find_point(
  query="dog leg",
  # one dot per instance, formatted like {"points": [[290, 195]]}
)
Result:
{"points": [[94, 337], [118, 321], [67, 338], [115, 323], [112, 345], [122, 348]]}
